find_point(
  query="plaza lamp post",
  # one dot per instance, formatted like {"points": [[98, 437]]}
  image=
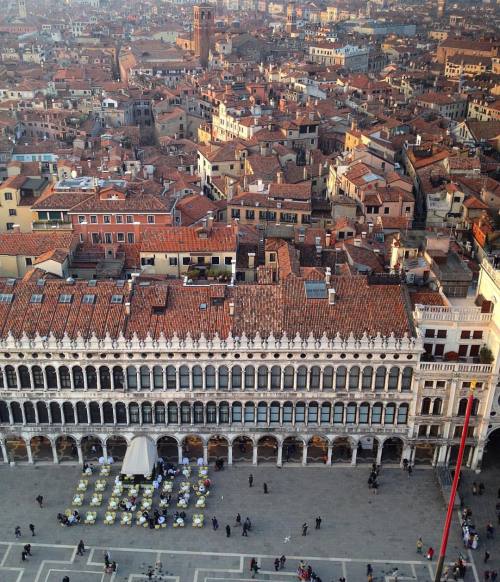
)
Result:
{"points": [[453, 493]]}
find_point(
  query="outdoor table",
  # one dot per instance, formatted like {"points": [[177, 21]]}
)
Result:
{"points": [[77, 500]]}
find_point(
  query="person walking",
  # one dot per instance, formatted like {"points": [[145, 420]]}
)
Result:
{"points": [[493, 575], [32, 529], [420, 545], [65, 579], [410, 471], [250, 480], [282, 562], [276, 564], [27, 549], [489, 530], [80, 550], [304, 529], [254, 567], [430, 553], [369, 569], [17, 532], [23, 556], [228, 531], [486, 556], [245, 530], [238, 520], [265, 488], [215, 523], [481, 488], [39, 500], [318, 522]]}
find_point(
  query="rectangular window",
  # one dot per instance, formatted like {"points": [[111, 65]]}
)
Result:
{"points": [[117, 299], [8, 195], [439, 349], [28, 261], [477, 335], [186, 260], [119, 219], [215, 260], [88, 299], [120, 237], [442, 333], [462, 350], [250, 214], [130, 219], [65, 298], [108, 238], [287, 414], [465, 334], [228, 260], [12, 212], [130, 237], [10, 226], [172, 261], [107, 219], [151, 219], [441, 384], [430, 332], [93, 219], [81, 219]]}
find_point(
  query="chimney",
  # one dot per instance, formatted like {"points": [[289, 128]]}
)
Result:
{"points": [[354, 125], [332, 296], [251, 260], [127, 307], [231, 309], [328, 238], [279, 177], [210, 220], [16, 228], [328, 275], [306, 176]]}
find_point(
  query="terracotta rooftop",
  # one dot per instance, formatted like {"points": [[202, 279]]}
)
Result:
{"points": [[34, 244], [184, 239]]}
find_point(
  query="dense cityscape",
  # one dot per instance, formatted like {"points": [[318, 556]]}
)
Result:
{"points": [[244, 236]]}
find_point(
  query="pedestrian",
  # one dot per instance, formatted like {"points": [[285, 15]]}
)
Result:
{"points": [[489, 530], [318, 522], [65, 579], [32, 529], [304, 529], [150, 572], [265, 488], [250, 480], [420, 545], [342, 579], [486, 556], [430, 554], [23, 556], [215, 523], [474, 488], [107, 558], [248, 523], [228, 531], [17, 532], [27, 549], [369, 569], [410, 471], [245, 530], [486, 575], [39, 500], [238, 520], [80, 550], [405, 464], [276, 564], [254, 567], [481, 488], [493, 575], [282, 562]]}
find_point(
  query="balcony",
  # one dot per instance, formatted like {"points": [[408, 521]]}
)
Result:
{"points": [[424, 313], [52, 224], [455, 367]]}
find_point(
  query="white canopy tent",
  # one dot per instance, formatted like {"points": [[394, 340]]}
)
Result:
{"points": [[140, 457]]}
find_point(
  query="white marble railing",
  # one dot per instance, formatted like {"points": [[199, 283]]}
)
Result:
{"points": [[459, 314]]}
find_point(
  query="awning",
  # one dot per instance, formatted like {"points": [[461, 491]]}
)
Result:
{"points": [[140, 457]]}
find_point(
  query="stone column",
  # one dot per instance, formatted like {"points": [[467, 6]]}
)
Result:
{"points": [[71, 378], [304, 454], [18, 377], [329, 455], [179, 453], [354, 454], [442, 455], [105, 450], [32, 379], [54, 452], [58, 378], [5, 454], [205, 454], [279, 462], [229, 454], [80, 452], [255, 453], [380, 450], [29, 451]]}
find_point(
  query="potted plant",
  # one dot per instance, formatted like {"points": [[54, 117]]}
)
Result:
{"points": [[193, 274], [485, 355]]}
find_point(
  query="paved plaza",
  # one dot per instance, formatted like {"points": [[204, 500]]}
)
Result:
{"points": [[357, 528]]}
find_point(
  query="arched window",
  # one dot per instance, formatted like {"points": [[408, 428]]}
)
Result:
{"points": [[91, 377], [121, 413], [78, 381], [184, 378], [131, 378], [326, 413], [402, 414], [95, 413], [11, 377], [436, 406], [197, 374], [198, 415], [105, 378], [302, 378], [390, 411], [158, 378], [354, 378], [328, 378], [4, 412], [462, 407], [236, 378], [249, 412], [426, 406], [118, 379], [393, 378], [211, 413], [366, 382], [406, 379], [210, 383], [263, 378], [312, 413], [224, 413], [262, 413], [274, 413], [24, 376], [81, 413], [159, 413], [29, 413], [249, 378], [300, 413], [38, 378], [64, 378], [287, 413], [314, 378], [147, 413], [171, 378], [173, 413], [107, 413], [17, 415], [288, 380], [145, 378], [350, 416], [42, 413], [364, 413], [185, 413], [338, 413], [340, 382], [236, 411], [475, 407], [133, 412], [380, 378], [275, 378], [55, 413], [377, 413], [223, 378]]}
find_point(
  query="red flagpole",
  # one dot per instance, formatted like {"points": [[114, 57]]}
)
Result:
{"points": [[453, 493]]}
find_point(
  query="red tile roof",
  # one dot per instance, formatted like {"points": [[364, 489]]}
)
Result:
{"points": [[34, 244], [185, 239]]}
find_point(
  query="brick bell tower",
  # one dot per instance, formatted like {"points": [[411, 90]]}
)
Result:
{"points": [[203, 16]]}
